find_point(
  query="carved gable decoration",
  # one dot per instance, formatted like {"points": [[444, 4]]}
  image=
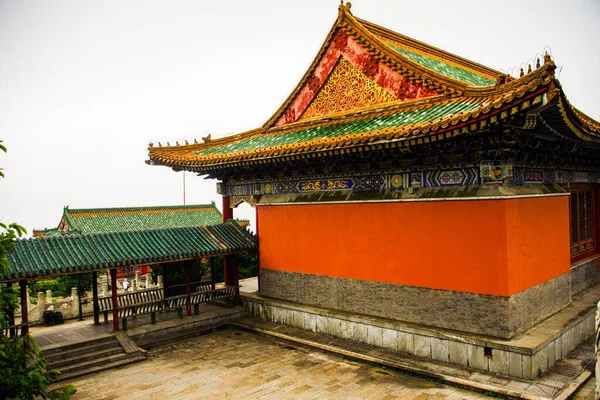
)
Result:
{"points": [[344, 61], [346, 88]]}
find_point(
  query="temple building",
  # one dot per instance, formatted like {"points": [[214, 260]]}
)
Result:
{"points": [[404, 182], [123, 219]]}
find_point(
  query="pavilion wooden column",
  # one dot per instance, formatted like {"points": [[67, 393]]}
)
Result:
{"points": [[11, 315], [115, 299], [188, 306], [24, 307], [232, 270], [212, 273], [165, 282], [95, 297]]}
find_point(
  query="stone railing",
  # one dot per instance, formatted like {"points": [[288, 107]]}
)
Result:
{"points": [[69, 306]]}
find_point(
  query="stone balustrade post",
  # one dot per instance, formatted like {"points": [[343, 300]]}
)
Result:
{"points": [[104, 289], [159, 281], [36, 313], [148, 281], [137, 283], [49, 296], [73, 293]]}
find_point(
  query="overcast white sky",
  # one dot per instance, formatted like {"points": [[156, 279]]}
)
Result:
{"points": [[86, 85]]}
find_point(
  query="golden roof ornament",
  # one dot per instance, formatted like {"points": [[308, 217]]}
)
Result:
{"points": [[344, 7]]}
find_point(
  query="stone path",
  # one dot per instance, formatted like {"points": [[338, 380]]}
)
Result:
{"points": [[233, 364], [587, 391], [559, 382]]}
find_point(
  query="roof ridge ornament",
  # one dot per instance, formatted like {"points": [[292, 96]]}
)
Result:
{"points": [[551, 65], [345, 7]]}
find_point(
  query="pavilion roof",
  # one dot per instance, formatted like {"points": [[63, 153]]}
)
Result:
{"points": [[104, 220], [75, 253], [370, 88]]}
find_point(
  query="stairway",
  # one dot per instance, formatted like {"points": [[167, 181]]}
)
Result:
{"points": [[169, 337], [88, 357]]}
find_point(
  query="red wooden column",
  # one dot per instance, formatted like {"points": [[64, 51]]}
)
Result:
{"points": [[232, 270], [227, 210], [24, 307], [188, 306], [11, 315], [115, 299], [227, 214], [257, 246], [165, 284], [212, 273], [95, 297]]}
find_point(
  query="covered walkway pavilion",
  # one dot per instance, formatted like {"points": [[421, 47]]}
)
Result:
{"points": [[79, 253]]}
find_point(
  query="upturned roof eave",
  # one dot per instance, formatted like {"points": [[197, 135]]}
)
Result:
{"points": [[516, 89], [389, 34]]}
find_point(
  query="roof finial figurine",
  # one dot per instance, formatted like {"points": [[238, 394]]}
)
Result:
{"points": [[195, 141], [206, 139], [151, 144], [537, 63], [344, 7], [159, 144], [529, 68], [521, 73], [547, 58]]}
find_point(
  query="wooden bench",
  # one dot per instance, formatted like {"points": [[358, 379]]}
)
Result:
{"points": [[151, 302]]}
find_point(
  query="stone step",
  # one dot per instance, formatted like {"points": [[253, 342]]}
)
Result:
{"points": [[128, 359], [98, 362], [186, 334], [65, 350], [85, 355], [77, 353]]}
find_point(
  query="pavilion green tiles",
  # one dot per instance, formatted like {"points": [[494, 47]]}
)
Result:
{"points": [[443, 68], [104, 220], [77, 253], [393, 120]]}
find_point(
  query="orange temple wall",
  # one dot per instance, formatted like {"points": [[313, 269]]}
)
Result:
{"points": [[496, 247]]}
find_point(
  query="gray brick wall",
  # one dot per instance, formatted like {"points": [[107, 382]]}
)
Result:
{"points": [[535, 304], [585, 275], [470, 312]]}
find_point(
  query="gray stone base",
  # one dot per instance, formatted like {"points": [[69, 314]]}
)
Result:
{"points": [[524, 357], [584, 274], [490, 315]]}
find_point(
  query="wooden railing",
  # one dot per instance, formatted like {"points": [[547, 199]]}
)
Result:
{"points": [[15, 331], [178, 290], [151, 302]]}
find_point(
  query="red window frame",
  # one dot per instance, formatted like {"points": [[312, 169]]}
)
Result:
{"points": [[583, 205]]}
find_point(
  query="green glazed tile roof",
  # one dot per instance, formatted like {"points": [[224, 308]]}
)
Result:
{"points": [[101, 220], [39, 257], [47, 232], [448, 70], [405, 118]]}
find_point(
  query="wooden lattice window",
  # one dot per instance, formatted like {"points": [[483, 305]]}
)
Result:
{"points": [[582, 221]]}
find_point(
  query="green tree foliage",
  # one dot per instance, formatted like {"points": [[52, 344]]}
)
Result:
{"points": [[23, 373]]}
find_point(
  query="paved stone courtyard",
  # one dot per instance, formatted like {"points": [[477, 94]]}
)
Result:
{"points": [[233, 364]]}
